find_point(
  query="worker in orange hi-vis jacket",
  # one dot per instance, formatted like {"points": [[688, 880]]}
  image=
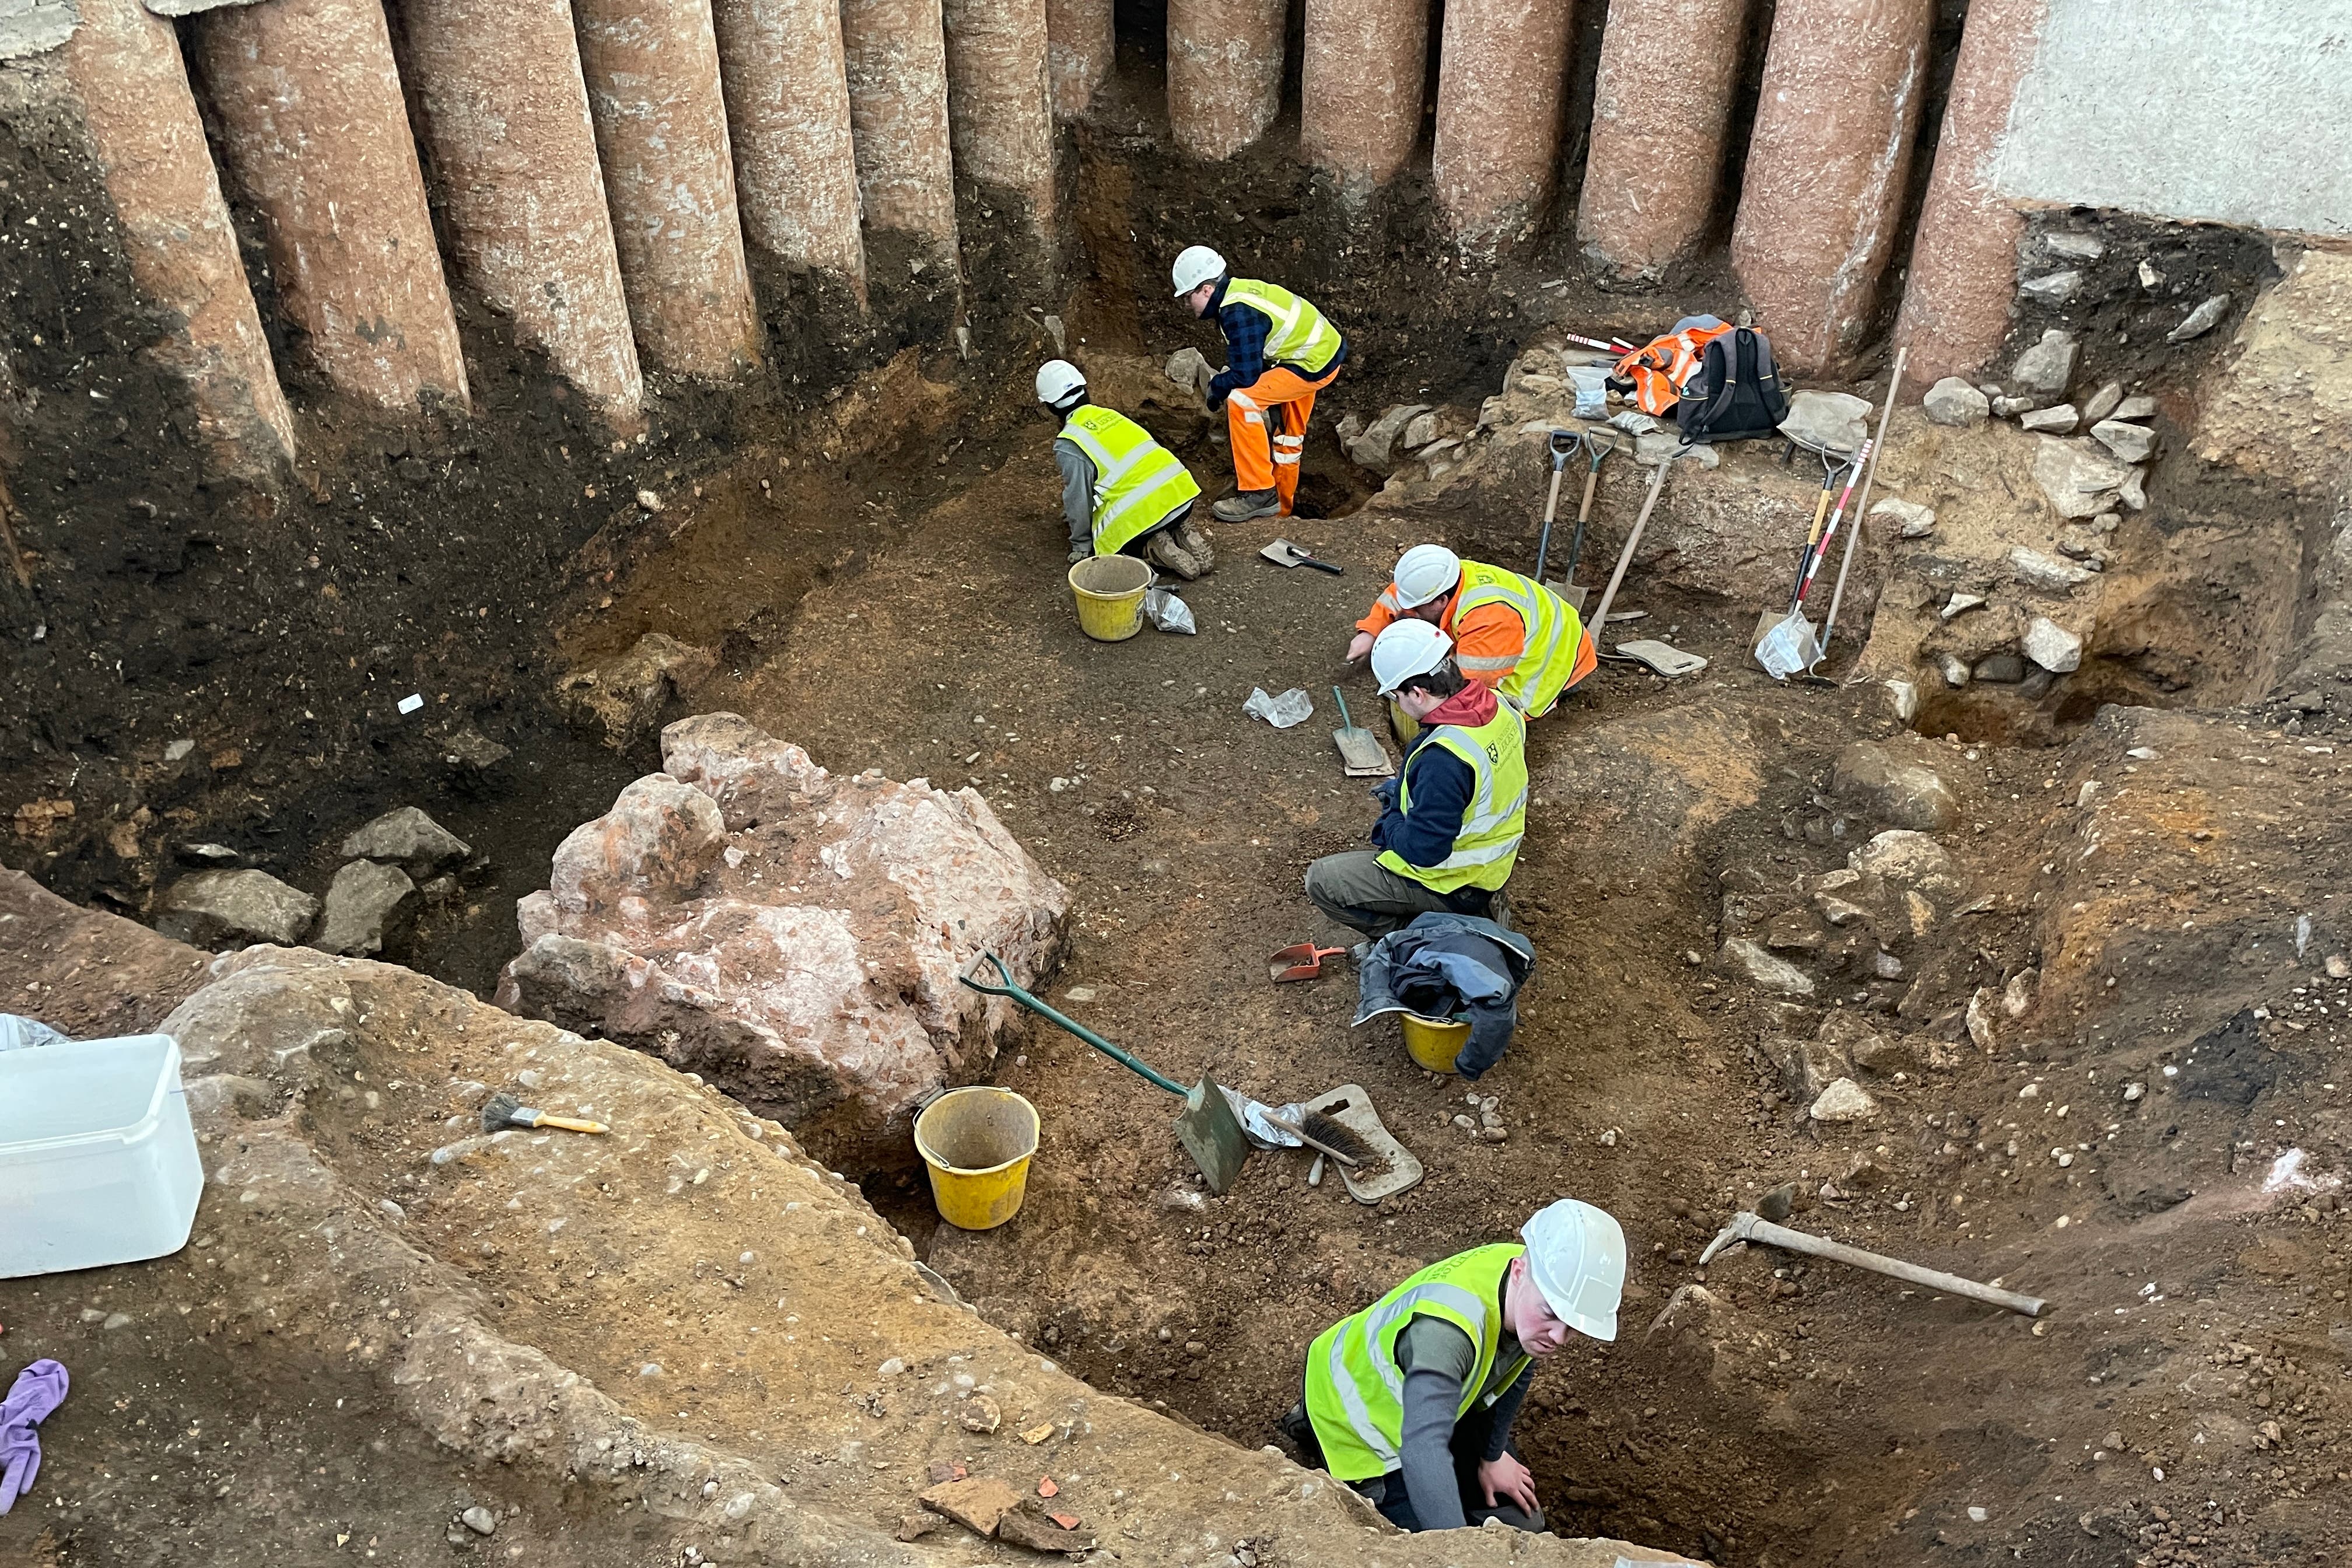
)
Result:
{"points": [[1279, 352], [1509, 632]]}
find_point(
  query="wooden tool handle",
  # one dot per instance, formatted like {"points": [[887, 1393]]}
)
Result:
{"points": [[1781, 1236], [1310, 1140], [570, 1124], [1584, 507]]}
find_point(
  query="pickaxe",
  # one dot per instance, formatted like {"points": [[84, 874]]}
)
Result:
{"points": [[1747, 1226]]}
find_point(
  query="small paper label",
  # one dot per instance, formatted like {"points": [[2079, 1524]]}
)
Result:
{"points": [[412, 702]]}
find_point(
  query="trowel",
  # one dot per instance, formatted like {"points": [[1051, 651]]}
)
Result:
{"points": [[1362, 755], [1282, 552]]}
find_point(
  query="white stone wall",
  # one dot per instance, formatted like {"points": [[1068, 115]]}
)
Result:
{"points": [[2222, 111]]}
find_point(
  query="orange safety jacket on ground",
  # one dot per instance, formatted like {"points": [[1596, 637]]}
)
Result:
{"points": [[1661, 367]]}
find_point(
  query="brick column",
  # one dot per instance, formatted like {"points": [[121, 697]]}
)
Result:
{"points": [[1651, 171], [1367, 62], [1501, 79]]}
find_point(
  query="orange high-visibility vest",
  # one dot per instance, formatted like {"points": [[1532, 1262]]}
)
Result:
{"points": [[1661, 367]]}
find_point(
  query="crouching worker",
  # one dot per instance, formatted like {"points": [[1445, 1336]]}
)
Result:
{"points": [[1452, 818], [1123, 493], [1509, 632], [1412, 1400]]}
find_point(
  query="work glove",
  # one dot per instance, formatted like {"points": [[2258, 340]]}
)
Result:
{"points": [[1081, 552]]}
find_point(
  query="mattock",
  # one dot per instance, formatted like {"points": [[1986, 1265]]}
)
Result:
{"points": [[1747, 1226]]}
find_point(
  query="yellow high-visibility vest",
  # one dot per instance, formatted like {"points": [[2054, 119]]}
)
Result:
{"points": [[1487, 844], [1355, 1390], [1298, 335], [1138, 481], [1554, 634]]}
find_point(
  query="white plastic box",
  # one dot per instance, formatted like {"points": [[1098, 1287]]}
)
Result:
{"points": [[98, 1159]]}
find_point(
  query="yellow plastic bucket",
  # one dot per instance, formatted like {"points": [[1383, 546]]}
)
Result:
{"points": [[1433, 1043], [1109, 591], [978, 1143], [1402, 724]]}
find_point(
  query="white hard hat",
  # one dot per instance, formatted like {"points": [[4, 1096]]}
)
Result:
{"points": [[1425, 572], [1197, 266], [1406, 648], [1057, 379], [1576, 1255]]}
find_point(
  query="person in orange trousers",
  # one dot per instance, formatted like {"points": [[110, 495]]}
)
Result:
{"points": [[1279, 352]]}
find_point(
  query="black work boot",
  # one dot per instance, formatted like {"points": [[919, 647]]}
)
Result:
{"points": [[1243, 505]]}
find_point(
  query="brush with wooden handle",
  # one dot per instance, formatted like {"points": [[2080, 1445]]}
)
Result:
{"points": [[505, 1111]]}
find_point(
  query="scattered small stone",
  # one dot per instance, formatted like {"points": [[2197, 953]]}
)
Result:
{"points": [[479, 1520], [1844, 1101], [2000, 669], [2138, 407], [2102, 404], [1911, 520], [362, 901], [2051, 646], [1978, 1515], [2338, 968], [2130, 443], [2149, 277], [979, 1503], [649, 501], [1960, 603], [891, 1368], [1033, 1436], [1748, 957], [233, 908], [1079, 993], [980, 1415], [2081, 479], [1953, 668], [215, 855], [2054, 288], [409, 838], [2201, 321], [1906, 795], [2010, 407], [2049, 365], [2036, 570], [2058, 421], [178, 750], [116, 1321], [915, 1526], [1952, 401], [2074, 246]]}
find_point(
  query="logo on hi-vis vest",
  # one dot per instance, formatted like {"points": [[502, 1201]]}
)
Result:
{"points": [[1494, 753]]}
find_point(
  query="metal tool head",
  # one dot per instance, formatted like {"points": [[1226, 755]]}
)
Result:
{"points": [[1299, 961], [1211, 1134], [1282, 552], [1742, 1225]]}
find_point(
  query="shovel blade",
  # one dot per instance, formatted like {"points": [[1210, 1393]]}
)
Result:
{"points": [[1211, 1134], [1788, 646], [1362, 755], [1572, 594]]}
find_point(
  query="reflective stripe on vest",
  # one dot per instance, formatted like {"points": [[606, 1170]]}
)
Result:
{"points": [[1297, 336], [1487, 844], [1554, 634], [1355, 1389], [1138, 481]]}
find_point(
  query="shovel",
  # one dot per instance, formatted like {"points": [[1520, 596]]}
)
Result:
{"points": [[1299, 961], [1207, 1127], [1767, 623], [1598, 443], [1790, 645], [1282, 552], [1362, 755]]}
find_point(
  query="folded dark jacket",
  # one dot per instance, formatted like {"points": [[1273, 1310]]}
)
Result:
{"points": [[1447, 966]]}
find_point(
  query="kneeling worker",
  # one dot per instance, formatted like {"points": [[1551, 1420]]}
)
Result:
{"points": [[1279, 352], [1123, 492], [1509, 632], [1458, 1341], [1452, 819]]}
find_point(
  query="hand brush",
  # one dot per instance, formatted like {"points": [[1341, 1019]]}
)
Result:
{"points": [[505, 1111], [1327, 1135]]}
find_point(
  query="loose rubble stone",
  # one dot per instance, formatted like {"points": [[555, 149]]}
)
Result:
{"points": [[2000, 669], [2049, 365], [2051, 646], [1952, 401], [2138, 407], [2074, 246], [1745, 956], [1665, 446], [2201, 321], [410, 839], [215, 855], [2103, 403], [1188, 367], [1844, 1101], [981, 1414], [626, 695], [2132, 494], [229, 909], [1376, 447], [2130, 443], [1029, 1525], [795, 935], [2058, 421], [1905, 793], [1421, 430], [1960, 603], [1953, 668], [2011, 407], [2077, 543], [1905, 858], [2036, 570], [1911, 520], [479, 1520], [2052, 289], [362, 901], [979, 1503], [2080, 480], [1833, 421]]}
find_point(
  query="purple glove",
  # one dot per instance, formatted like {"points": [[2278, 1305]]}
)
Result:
{"points": [[40, 1388]]}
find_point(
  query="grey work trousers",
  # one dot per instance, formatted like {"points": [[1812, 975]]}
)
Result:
{"points": [[1354, 888]]}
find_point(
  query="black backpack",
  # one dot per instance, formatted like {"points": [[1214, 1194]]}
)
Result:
{"points": [[1736, 394]]}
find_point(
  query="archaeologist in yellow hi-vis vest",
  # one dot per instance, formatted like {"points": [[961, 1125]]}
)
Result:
{"points": [[1509, 632], [1279, 352], [1411, 1401], [1123, 493], [1452, 818]]}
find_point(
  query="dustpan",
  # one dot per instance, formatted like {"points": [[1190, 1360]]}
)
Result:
{"points": [[1660, 658], [1362, 755], [1391, 1170], [1299, 961]]}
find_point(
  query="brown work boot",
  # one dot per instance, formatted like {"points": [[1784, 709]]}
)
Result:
{"points": [[1171, 557], [1196, 544], [1243, 505]]}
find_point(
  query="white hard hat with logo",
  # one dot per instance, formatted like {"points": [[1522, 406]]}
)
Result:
{"points": [[1406, 648], [1196, 266], [1576, 1256], [1424, 573], [1057, 379]]}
